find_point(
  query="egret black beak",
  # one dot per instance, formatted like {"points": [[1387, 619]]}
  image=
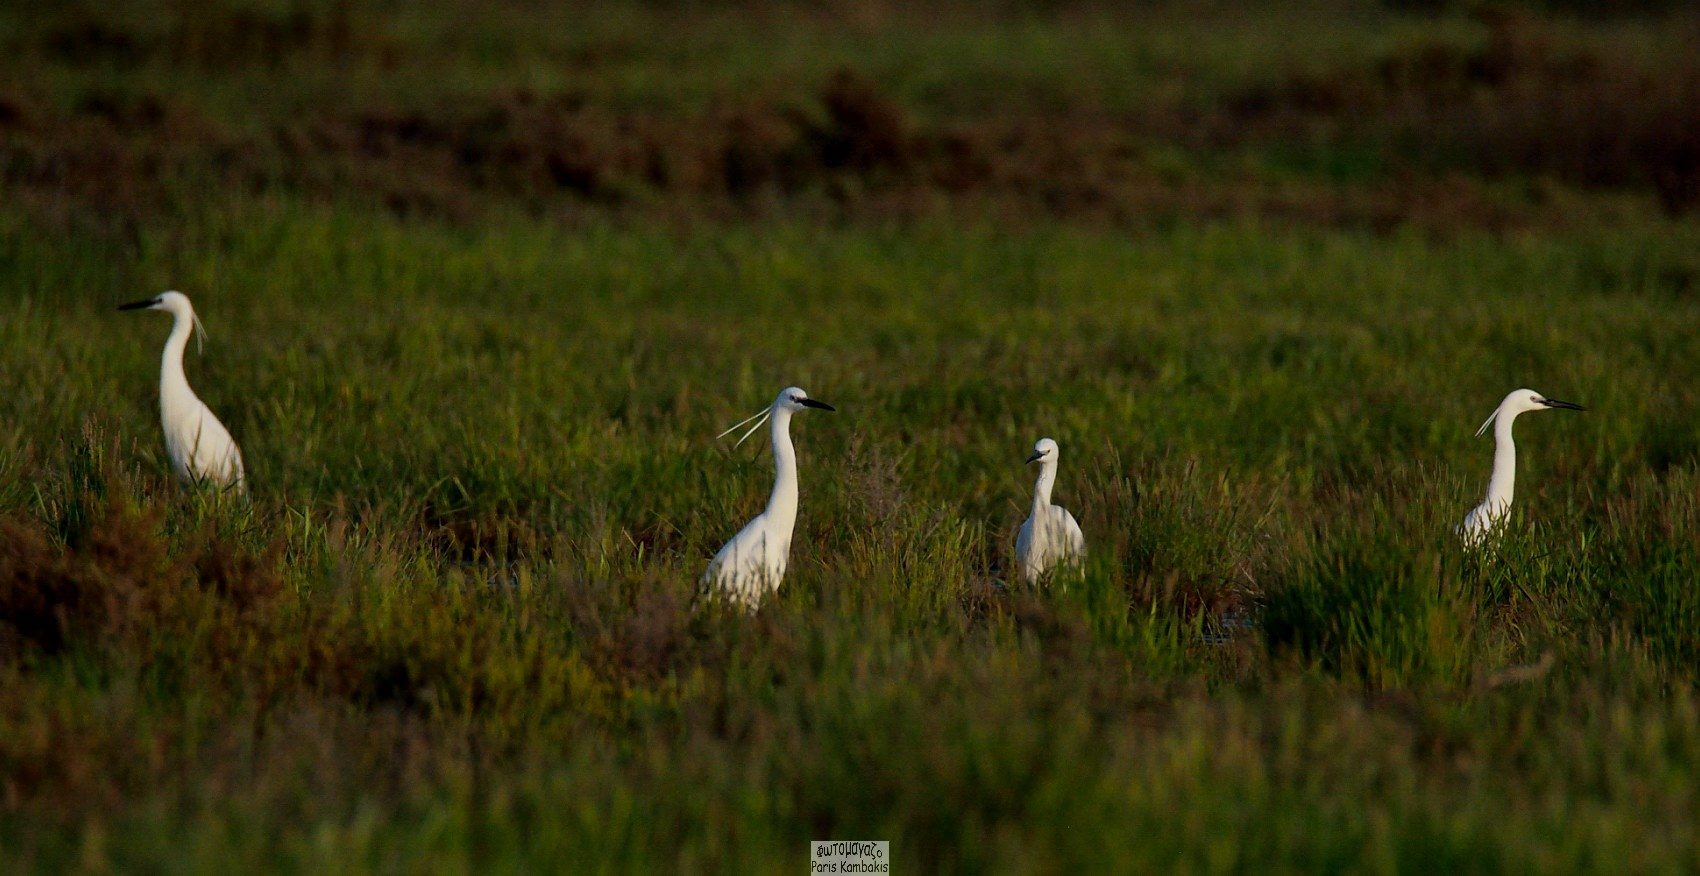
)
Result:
{"points": [[1034, 458], [138, 305], [1555, 403], [811, 403]]}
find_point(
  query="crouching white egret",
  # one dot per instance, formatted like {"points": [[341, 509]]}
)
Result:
{"points": [[1050, 537], [1486, 517], [752, 564], [200, 448]]}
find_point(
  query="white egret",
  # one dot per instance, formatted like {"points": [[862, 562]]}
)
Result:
{"points": [[200, 448], [752, 564], [1050, 536], [1486, 517]]}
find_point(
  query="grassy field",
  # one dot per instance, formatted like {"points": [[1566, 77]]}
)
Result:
{"points": [[483, 280]]}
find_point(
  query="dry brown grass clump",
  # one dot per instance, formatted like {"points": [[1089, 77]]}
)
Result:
{"points": [[113, 585]]}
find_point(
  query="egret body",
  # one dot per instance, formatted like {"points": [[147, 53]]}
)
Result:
{"points": [[200, 448], [752, 564], [1486, 517], [1050, 537]]}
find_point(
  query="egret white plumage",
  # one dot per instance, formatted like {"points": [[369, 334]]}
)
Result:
{"points": [[752, 564], [1486, 517], [200, 448], [1050, 537]]}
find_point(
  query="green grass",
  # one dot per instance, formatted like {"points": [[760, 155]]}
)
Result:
{"points": [[1277, 419], [455, 628]]}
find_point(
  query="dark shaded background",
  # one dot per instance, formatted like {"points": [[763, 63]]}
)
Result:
{"points": [[1449, 114]]}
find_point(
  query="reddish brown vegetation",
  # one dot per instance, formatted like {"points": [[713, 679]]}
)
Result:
{"points": [[113, 585], [641, 635], [215, 39], [114, 588], [1436, 122], [134, 158], [482, 537], [1518, 106]]}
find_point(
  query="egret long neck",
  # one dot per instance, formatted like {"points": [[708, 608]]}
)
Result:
{"points": [[1042, 488], [1503, 481], [173, 384], [782, 505]]}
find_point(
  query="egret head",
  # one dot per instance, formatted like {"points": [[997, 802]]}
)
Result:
{"points": [[794, 399], [175, 303], [1045, 450], [790, 400], [1522, 401], [171, 302]]}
